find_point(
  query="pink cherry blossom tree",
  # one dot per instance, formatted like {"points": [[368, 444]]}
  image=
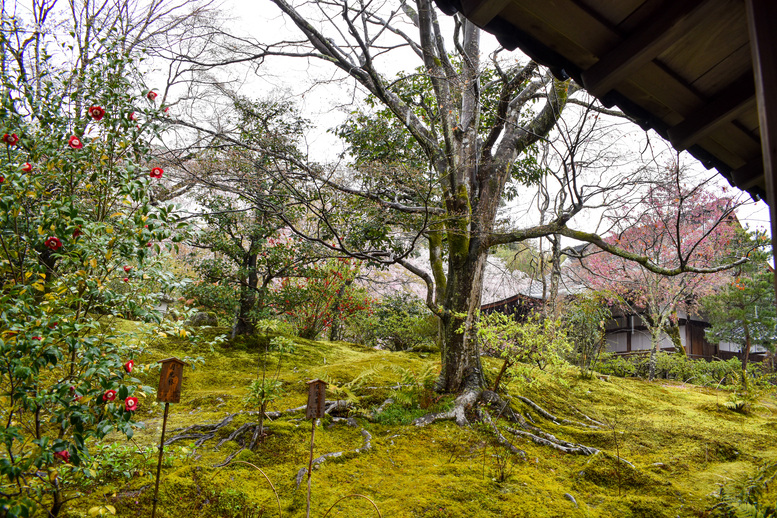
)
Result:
{"points": [[677, 225]]}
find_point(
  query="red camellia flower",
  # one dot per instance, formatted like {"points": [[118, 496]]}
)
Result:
{"points": [[10, 140], [148, 245], [128, 366], [156, 172], [126, 279], [133, 116], [53, 243], [131, 404], [75, 142], [2, 179], [77, 232], [64, 455], [97, 112], [37, 338], [151, 95], [27, 167], [127, 268], [109, 395]]}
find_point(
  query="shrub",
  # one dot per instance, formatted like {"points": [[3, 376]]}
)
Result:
{"points": [[79, 236], [675, 366], [399, 323]]}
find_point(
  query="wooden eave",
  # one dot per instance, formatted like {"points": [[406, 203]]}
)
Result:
{"points": [[685, 68]]}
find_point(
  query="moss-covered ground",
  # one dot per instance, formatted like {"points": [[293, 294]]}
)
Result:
{"points": [[682, 440]]}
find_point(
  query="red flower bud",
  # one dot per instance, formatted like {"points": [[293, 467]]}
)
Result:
{"points": [[27, 167], [128, 366], [64, 455]]}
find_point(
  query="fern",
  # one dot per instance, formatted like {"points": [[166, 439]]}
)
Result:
{"points": [[743, 500]]}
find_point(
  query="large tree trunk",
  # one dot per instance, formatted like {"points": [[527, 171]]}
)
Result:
{"points": [[461, 367]]}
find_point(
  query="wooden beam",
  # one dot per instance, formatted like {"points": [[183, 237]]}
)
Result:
{"points": [[761, 16], [724, 107], [653, 37], [480, 12], [749, 175]]}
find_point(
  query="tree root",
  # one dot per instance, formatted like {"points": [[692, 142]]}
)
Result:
{"points": [[205, 432], [458, 413], [468, 400], [366, 446], [555, 420], [501, 439]]}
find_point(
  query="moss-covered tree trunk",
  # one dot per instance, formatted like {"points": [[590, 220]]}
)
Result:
{"points": [[244, 324], [461, 367]]}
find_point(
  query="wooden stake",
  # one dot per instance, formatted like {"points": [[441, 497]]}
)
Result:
{"points": [[310, 465], [159, 462]]}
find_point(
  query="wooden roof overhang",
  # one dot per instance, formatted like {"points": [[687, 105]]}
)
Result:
{"points": [[696, 71]]}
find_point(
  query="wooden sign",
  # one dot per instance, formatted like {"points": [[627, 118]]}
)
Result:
{"points": [[170, 380], [316, 399]]}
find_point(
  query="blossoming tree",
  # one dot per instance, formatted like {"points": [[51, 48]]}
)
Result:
{"points": [[677, 225]]}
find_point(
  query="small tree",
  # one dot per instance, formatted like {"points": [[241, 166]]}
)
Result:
{"points": [[537, 342], [743, 310], [585, 318]]}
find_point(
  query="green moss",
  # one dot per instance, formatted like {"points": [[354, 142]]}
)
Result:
{"points": [[680, 442]]}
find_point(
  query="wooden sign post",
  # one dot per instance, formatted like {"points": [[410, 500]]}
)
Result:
{"points": [[315, 410], [169, 391]]}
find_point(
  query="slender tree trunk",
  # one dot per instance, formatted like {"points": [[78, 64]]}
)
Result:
{"points": [[244, 324], [335, 328], [674, 333], [746, 353], [655, 340]]}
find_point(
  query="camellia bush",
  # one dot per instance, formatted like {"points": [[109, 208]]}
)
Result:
{"points": [[77, 234], [322, 296]]}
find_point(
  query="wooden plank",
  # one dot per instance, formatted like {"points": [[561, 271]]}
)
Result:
{"points": [[643, 46], [577, 35], [614, 11], [761, 16], [731, 144], [717, 77], [722, 30], [729, 103]]}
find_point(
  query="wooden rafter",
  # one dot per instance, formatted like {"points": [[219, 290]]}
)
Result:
{"points": [[749, 174], [726, 105]]}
